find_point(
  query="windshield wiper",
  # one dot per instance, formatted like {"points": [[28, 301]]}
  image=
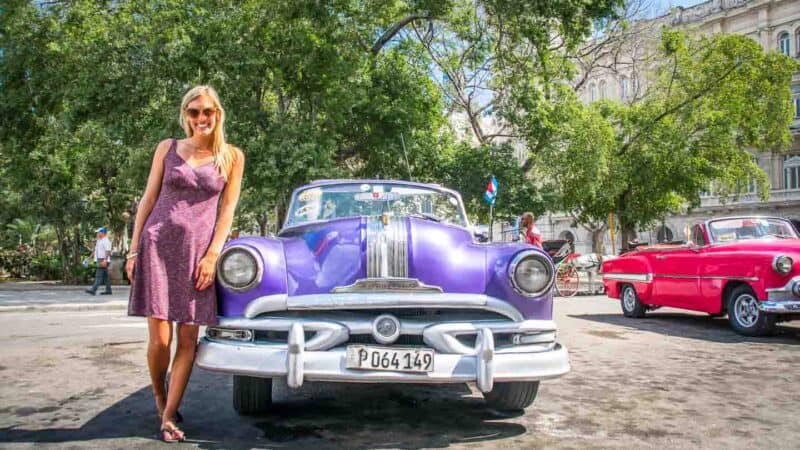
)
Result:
{"points": [[427, 216], [782, 236]]}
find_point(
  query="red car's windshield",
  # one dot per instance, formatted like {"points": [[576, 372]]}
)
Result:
{"points": [[726, 230]]}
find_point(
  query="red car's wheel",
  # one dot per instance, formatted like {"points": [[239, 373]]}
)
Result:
{"points": [[567, 280], [745, 317], [631, 306]]}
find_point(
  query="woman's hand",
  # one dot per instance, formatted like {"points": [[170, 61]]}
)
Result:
{"points": [[205, 272], [129, 268]]}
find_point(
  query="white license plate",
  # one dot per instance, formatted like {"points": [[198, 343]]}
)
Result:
{"points": [[390, 358]]}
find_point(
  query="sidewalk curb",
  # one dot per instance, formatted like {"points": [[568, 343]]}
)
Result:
{"points": [[113, 305]]}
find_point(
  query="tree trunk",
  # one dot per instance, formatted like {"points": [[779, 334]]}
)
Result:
{"points": [[263, 224], [75, 257], [598, 242], [627, 234], [281, 209], [63, 249]]}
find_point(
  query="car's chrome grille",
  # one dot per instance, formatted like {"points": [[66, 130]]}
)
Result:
{"points": [[387, 252], [404, 340]]}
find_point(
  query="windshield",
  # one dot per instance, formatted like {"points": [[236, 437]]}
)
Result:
{"points": [[374, 199], [727, 230]]}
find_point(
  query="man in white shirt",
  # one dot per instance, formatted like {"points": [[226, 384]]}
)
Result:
{"points": [[101, 255]]}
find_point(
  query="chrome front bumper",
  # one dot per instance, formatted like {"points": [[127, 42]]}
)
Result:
{"points": [[484, 364], [783, 300]]}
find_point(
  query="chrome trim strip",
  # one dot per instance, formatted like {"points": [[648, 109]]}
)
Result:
{"points": [[780, 307], [256, 258], [638, 277], [444, 336], [387, 247], [484, 358], [380, 300], [377, 265], [294, 358], [788, 292], [330, 365], [707, 277], [386, 300], [264, 304], [397, 255], [386, 285], [328, 333]]}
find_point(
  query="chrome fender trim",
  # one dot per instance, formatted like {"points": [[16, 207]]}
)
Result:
{"points": [[379, 300]]}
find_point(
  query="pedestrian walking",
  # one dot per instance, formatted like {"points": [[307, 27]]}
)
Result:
{"points": [[183, 218], [532, 234], [102, 256]]}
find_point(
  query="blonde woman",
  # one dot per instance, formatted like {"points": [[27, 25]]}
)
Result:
{"points": [[183, 219]]}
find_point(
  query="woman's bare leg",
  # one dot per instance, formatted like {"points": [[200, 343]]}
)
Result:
{"points": [[158, 348], [181, 369]]}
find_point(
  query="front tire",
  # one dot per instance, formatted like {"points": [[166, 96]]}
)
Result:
{"points": [[745, 317], [512, 396], [629, 300], [251, 395]]}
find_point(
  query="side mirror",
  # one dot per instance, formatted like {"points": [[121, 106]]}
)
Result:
{"points": [[480, 236]]}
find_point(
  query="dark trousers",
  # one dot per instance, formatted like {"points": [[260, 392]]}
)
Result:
{"points": [[100, 277]]}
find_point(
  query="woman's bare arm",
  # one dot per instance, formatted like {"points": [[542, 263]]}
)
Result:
{"points": [[151, 191]]}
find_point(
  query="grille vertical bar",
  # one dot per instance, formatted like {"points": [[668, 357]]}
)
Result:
{"points": [[397, 237], [387, 252]]}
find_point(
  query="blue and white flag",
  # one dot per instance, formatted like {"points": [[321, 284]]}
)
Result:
{"points": [[491, 191]]}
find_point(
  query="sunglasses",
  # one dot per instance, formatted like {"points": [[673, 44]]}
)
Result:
{"points": [[194, 113]]}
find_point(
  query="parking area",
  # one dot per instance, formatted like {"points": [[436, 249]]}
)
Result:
{"points": [[672, 380]]}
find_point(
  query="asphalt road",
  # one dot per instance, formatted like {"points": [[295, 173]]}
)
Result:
{"points": [[78, 379]]}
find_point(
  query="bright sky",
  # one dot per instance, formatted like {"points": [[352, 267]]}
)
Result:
{"points": [[664, 5]]}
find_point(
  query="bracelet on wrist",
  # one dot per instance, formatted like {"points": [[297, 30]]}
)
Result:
{"points": [[131, 255]]}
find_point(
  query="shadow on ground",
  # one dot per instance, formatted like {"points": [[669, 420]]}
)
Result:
{"points": [[691, 326], [355, 416]]}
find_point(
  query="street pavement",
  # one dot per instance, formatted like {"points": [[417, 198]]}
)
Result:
{"points": [[48, 296], [78, 379]]}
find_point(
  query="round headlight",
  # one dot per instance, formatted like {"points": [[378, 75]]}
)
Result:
{"points": [[531, 274], [239, 269], [782, 264]]}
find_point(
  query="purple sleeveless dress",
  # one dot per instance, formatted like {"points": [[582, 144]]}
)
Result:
{"points": [[174, 239]]}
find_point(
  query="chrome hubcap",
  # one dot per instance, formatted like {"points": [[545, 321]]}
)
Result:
{"points": [[629, 299], [745, 308]]}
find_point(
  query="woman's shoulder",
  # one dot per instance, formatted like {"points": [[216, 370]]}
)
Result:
{"points": [[165, 145], [238, 154]]}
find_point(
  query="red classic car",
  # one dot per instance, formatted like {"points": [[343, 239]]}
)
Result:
{"points": [[740, 266]]}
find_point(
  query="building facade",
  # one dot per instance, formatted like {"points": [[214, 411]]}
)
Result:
{"points": [[775, 25]]}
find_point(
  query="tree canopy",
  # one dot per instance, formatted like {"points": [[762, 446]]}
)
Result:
{"points": [[710, 103]]}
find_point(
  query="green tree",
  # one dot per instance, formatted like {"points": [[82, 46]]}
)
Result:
{"points": [[712, 101]]}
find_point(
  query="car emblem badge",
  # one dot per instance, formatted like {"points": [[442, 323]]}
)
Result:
{"points": [[386, 329]]}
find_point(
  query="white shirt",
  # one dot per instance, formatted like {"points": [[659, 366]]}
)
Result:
{"points": [[102, 249]]}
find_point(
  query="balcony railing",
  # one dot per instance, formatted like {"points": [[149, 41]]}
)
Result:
{"points": [[775, 196]]}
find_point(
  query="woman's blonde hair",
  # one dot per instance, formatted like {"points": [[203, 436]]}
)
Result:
{"points": [[224, 153]]}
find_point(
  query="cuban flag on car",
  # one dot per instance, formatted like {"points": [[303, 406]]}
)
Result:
{"points": [[491, 191]]}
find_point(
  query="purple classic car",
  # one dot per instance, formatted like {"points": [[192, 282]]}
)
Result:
{"points": [[382, 281]]}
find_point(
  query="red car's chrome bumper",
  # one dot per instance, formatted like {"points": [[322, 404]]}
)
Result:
{"points": [[783, 300]]}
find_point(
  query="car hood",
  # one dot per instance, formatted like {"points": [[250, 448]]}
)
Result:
{"points": [[316, 258], [320, 257]]}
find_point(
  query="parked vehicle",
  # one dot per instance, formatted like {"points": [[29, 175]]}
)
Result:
{"points": [[383, 281], [744, 267]]}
